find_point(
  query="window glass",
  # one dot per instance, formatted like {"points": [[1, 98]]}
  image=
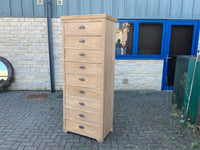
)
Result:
{"points": [[124, 39], [181, 40], [150, 38]]}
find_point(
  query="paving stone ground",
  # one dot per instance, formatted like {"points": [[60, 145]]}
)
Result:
{"points": [[142, 121]]}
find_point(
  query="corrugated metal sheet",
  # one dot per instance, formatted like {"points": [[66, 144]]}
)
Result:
{"points": [[130, 9]]}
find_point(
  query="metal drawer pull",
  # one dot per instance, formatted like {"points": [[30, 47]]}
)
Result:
{"points": [[82, 27], [82, 54], [81, 79], [81, 103], [82, 115], [82, 67], [81, 127], [81, 91], [81, 40]]}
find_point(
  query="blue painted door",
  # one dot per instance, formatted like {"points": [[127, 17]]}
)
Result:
{"points": [[180, 40]]}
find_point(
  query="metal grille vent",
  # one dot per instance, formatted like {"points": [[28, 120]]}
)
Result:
{"points": [[40, 2], [59, 2]]}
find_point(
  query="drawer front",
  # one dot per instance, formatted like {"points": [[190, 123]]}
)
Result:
{"points": [[83, 68], [83, 80], [84, 55], [83, 92], [81, 42], [83, 129], [83, 104], [84, 28], [83, 116]]}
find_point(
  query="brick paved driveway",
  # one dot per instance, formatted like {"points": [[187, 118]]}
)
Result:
{"points": [[142, 120]]}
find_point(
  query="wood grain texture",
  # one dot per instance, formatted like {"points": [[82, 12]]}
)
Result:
{"points": [[89, 93], [87, 117], [83, 80], [64, 98], [88, 105], [93, 56], [89, 74], [109, 77], [89, 130], [90, 68], [88, 28], [88, 42]]}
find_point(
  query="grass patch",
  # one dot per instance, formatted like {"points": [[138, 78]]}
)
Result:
{"points": [[53, 97], [82, 146], [148, 93], [133, 96]]}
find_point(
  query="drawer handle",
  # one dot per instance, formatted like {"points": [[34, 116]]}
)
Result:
{"points": [[81, 40], [82, 115], [81, 103], [82, 67], [82, 27], [82, 91], [81, 127], [81, 79], [82, 54]]}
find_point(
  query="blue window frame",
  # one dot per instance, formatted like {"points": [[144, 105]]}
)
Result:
{"points": [[165, 37], [161, 56], [194, 46], [135, 54], [134, 30]]}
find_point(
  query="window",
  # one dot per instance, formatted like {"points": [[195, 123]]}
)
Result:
{"points": [[140, 39], [181, 40], [124, 38], [150, 39]]}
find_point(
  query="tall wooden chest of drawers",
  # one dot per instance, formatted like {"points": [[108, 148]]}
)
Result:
{"points": [[88, 74]]}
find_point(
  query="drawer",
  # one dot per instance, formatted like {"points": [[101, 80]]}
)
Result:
{"points": [[81, 42], [82, 68], [83, 92], [84, 55], [83, 129], [83, 116], [83, 28], [79, 103], [83, 80]]}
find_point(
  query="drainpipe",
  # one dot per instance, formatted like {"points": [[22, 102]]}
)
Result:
{"points": [[51, 62]]}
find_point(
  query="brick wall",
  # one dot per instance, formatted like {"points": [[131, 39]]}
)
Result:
{"points": [[138, 74], [24, 42]]}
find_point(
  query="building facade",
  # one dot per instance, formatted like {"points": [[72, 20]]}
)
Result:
{"points": [[152, 33]]}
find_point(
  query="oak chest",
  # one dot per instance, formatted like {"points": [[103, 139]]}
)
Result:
{"points": [[88, 74]]}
